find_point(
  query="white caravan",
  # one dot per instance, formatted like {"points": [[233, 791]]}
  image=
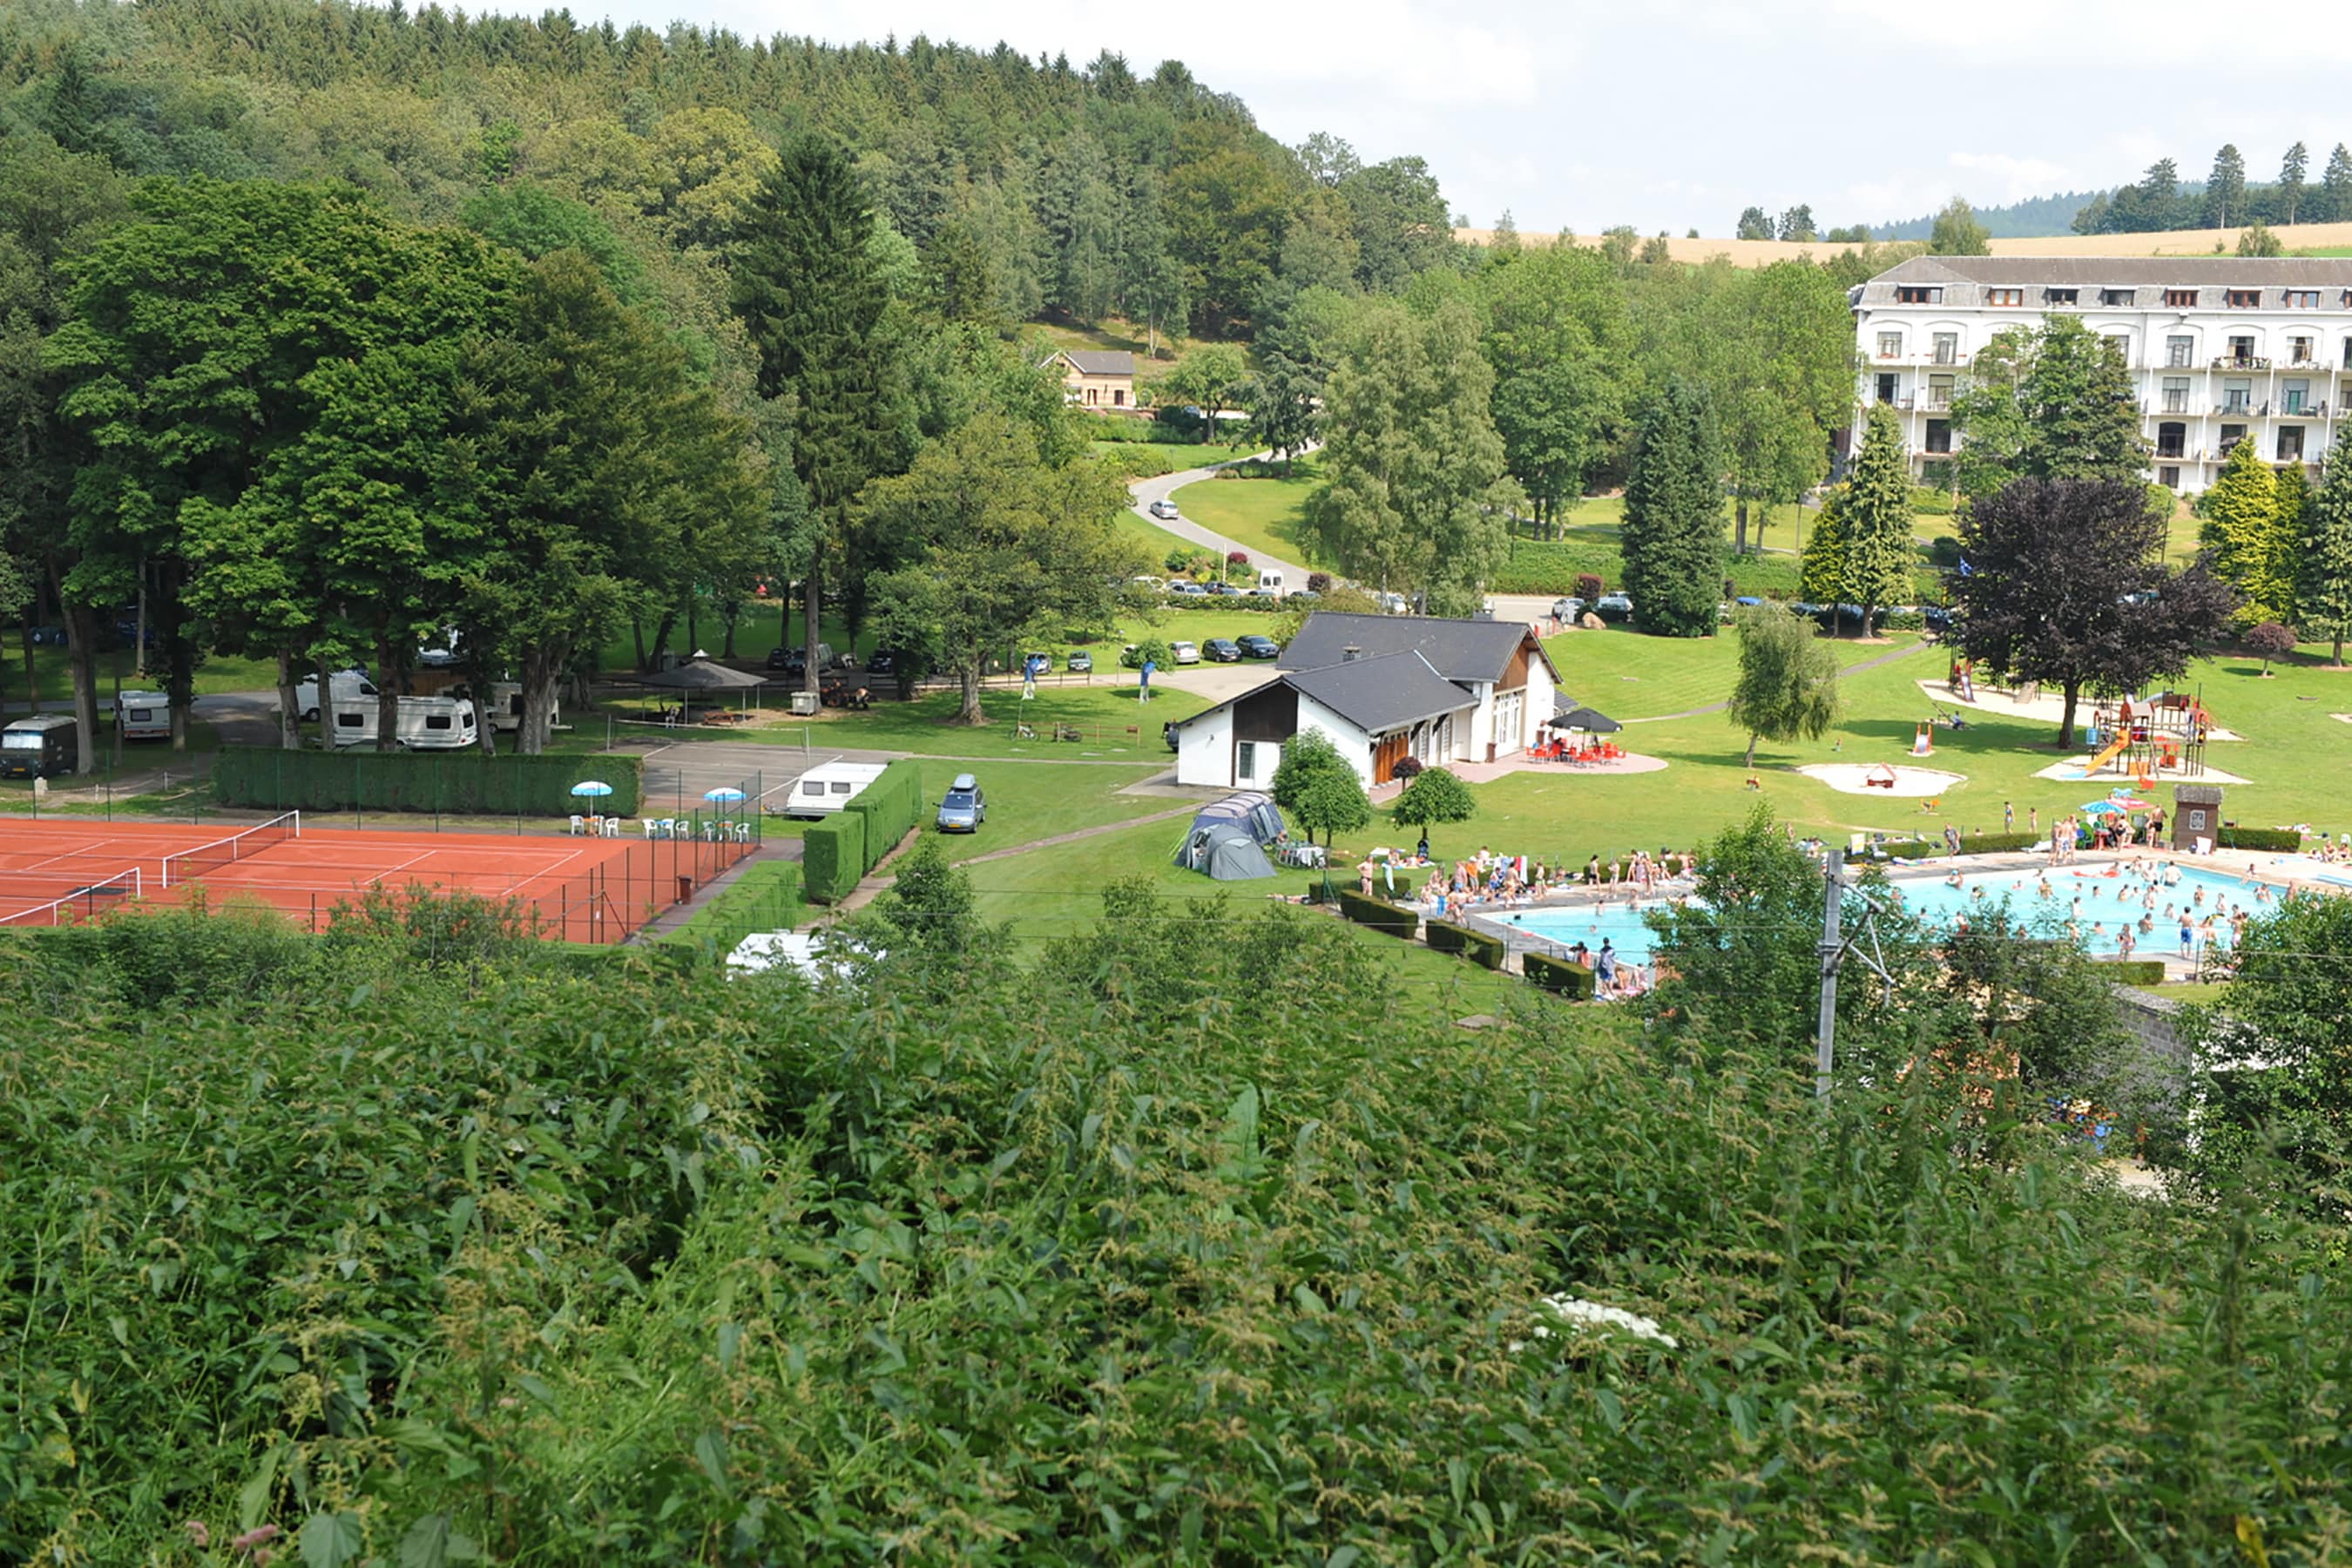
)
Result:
{"points": [[424, 723], [825, 788], [142, 716], [348, 686]]}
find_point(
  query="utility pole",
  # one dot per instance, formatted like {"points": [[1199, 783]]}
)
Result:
{"points": [[1831, 951]]}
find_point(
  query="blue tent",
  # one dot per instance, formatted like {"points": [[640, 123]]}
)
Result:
{"points": [[1225, 838]]}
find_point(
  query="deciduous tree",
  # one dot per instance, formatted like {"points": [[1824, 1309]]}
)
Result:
{"points": [[1755, 223], [1787, 686], [1957, 232], [1435, 794], [1317, 787], [2054, 403]]}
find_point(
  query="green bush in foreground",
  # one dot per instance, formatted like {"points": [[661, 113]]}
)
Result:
{"points": [[1191, 1246]]}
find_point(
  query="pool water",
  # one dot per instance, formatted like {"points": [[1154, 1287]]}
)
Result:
{"points": [[2104, 907]]}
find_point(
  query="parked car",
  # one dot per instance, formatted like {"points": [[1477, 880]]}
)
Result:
{"points": [[1082, 663], [1164, 509], [780, 657], [1263, 595], [1146, 580], [1614, 607], [963, 809], [1936, 619], [882, 661], [1184, 652], [1566, 609], [1305, 596], [1256, 646], [1221, 650], [1187, 591], [1224, 590], [1394, 604]]}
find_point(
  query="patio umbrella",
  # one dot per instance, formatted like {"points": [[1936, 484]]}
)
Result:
{"points": [[2101, 807], [592, 786], [699, 674], [724, 794], [1589, 720]]}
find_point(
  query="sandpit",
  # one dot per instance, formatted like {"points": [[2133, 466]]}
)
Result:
{"points": [[2078, 771], [1848, 778]]}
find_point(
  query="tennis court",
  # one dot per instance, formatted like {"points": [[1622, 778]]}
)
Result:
{"points": [[59, 871]]}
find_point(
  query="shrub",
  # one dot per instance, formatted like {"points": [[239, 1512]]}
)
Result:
{"points": [[468, 783], [1971, 843], [1589, 586], [2131, 971], [2270, 840], [1407, 769], [1436, 795], [1572, 981], [1397, 919], [1902, 621], [1236, 557], [1318, 582], [833, 857], [1476, 945], [2270, 641], [890, 807], [765, 897], [1944, 550]]}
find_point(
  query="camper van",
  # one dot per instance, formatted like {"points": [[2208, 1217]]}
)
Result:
{"points": [[41, 745], [348, 686], [825, 788], [1270, 581], [425, 723], [142, 716]]}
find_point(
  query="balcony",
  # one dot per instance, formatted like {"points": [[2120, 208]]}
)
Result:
{"points": [[1935, 401], [2231, 361]]}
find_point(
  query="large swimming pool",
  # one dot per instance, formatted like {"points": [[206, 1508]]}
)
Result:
{"points": [[2106, 902]]}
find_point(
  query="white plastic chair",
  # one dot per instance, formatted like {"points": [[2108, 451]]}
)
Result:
{"points": [[612, 827], [579, 825], [650, 826], [742, 833]]}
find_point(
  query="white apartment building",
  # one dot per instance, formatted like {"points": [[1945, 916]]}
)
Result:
{"points": [[2222, 349]]}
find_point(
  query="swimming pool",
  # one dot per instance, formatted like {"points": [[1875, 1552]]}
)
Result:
{"points": [[2104, 907]]}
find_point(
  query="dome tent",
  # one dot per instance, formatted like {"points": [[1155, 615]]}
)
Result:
{"points": [[1225, 838]]}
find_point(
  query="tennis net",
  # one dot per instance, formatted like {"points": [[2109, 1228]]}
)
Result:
{"points": [[90, 900], [193, 863]]}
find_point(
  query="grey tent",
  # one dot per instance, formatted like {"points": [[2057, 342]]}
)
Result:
{"points": [[1251, 810], [1224, 851], [1584, 718], [701, 673]]}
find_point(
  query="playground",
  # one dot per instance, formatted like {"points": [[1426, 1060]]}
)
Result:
{"points": [[66, 871], [1883, 778]]}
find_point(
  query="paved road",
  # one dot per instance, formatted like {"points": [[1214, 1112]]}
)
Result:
{"points": [[1146, 492]]}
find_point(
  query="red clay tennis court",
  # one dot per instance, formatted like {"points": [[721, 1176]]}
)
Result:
{"points": [[61, 871]]}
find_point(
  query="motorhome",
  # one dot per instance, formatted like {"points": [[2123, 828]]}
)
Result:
{"points": [[825, 788], [40, 745], [424, 723], [142, 716], [347, 685]]}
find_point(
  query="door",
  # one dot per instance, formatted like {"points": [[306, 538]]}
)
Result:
{"points": [[1387, 752], [1886, 385]]}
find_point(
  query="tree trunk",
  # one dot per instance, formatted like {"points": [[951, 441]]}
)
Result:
{"points": [[661, 628], [81, 662], [1750, 762], [693, 626], [179, 660], [542, 666], [2338, 659], [289, 724], [733, 611], [139, 629], [968, 712], [327, 726], [638, 627], [1738, 527], [812, 603], [2066, 725], [32, 671], [388, 691]]}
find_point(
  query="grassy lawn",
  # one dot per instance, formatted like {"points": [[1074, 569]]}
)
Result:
{"points": [[1262, 516], [1629, 676], [218, 672], [1029, 801], [1149, 459]]}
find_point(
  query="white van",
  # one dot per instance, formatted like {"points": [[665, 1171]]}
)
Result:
{"points": [[1270, 581], [825, 788], [142, 716], [505, 707], [348, 684], [425, 723]]}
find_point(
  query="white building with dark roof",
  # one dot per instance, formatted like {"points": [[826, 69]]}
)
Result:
{"points": [[2221, 349], [1381, 689]]}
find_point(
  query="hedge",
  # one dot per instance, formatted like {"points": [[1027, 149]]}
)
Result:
{"points": [[766, 897], [890, 807], [2275, 840], [466, 782], [833, 857], [1228, 601], [1397, 919], [1572, 981], [2132, 971], [1445, 937], [1971, 843]]}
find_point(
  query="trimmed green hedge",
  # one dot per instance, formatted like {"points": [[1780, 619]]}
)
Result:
{"points": [[890, 807], [2132, 971], [1379, 913], [1572, 981], [1971, 843], [2273, 840], [1443, 936], [766, 897], [466, 783], [833, 857]]}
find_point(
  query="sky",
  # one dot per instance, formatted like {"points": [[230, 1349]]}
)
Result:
{"points": [[1675, 114]]}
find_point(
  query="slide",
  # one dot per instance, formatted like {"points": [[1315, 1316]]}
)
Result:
{"points": [[2114, 749]]}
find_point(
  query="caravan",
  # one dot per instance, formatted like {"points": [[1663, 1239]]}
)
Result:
{"points": [[142, 716], [825, 788], [347, 686], [423, 724]]}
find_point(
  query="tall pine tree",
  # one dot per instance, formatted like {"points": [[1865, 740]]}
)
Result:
{"points": [[1876, 518], [1673, 537], [2336, 186], [806, 287], [2323, 587], [2242, 540]]}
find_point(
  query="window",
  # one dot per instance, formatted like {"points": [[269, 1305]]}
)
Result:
{"points": [[2290, 445], [2117, 296], [1948, 348], [813, 787], [1939, 392], [2237, 397], [2180, 299], [2178, 348], [2244, 298], [1093, 394], [2176, 394], [2242, 351], [2230, 435], [2298, 351], [2169, 478], [1940, 436], [1119, 397], [2060, 296], [2120, 344], [2302, 298], [2171, 439], [437, 721], [1918, 294], [1245, 765], [351, 721], [2295, 397], [2004, 296], [841, 786], [1886, 385], [1889, 344]]}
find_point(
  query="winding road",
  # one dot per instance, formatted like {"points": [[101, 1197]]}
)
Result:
{"points": [[1146, 492]]}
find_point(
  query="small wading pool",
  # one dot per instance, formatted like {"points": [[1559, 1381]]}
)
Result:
{"points": [[2106, 902]]}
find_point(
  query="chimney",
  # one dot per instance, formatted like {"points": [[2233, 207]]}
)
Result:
{"points": [[1350, 653]]}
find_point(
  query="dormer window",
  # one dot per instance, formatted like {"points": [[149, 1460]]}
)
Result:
{"points": [[2004, 296], [2245, 298], [2302, 298], [2180, 299], [1918, 294], [2060, 296], [2117, 296]]}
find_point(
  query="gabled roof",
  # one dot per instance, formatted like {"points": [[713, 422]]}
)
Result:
{"points": [[1381, 693], [2089, 272], [1100, 361], [1456, 650]]}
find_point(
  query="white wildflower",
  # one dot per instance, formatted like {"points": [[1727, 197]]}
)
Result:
{"points": [[1593, 1315]]}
